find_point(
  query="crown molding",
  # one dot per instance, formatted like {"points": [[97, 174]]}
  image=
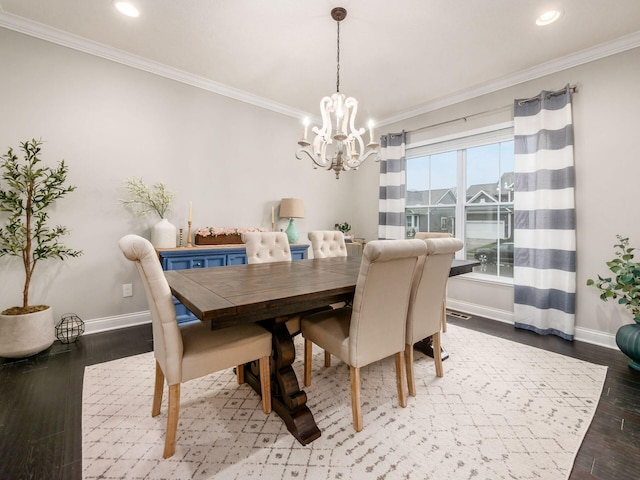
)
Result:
{"points": [[619, 45], [59, 37]]}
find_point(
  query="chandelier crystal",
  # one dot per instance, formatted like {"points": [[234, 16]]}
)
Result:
{"points": [[338, 144]]}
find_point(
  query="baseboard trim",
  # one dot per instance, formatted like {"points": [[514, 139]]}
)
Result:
{"points": [[581, 334], [105, 324], [586, 335]]}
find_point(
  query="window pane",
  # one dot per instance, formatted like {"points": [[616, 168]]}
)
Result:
{"points": [[483, 173], [489, 238], [442, 219], [418, 174], [506, 169], [444, 178]]}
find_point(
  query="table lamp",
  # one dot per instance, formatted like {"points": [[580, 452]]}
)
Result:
{"points": [[291, 208]]}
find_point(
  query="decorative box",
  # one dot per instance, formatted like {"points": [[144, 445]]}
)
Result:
{"points": [[219, 239]]}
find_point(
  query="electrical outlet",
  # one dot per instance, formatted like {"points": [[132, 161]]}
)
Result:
{"points": [[127, 290]]}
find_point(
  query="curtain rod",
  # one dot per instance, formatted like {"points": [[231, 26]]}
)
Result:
{"points": [[572, 89]]}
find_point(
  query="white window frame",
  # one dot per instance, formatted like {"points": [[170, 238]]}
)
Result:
{"points": [[460, 142]]}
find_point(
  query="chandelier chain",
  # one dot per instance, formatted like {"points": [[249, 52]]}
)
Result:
{"points": [[338, 61]]}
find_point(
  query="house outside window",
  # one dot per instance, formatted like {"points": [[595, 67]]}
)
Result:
{"points": [[480, 164]]}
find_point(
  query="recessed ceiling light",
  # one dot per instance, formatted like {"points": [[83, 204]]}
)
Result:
{"points": [[127, 9], [548, 17]]}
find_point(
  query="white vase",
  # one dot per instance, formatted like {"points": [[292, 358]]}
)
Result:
{"points": [[163, 234], [27, 334]]}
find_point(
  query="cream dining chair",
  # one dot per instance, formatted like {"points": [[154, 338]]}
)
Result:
{"points": [[425, 304], [269, 247], [424, 236], [327, 243], [374, 327], [194, 350], [266, 247]]}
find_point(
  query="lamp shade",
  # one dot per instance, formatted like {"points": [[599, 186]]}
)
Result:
{"points": [[291, 208]]}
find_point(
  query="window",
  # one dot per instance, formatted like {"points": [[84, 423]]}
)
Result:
{"points": [[480, 164]]}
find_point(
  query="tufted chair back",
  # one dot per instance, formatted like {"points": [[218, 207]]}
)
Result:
{"points": [[267, 247], [167, 340], [327, 243]]}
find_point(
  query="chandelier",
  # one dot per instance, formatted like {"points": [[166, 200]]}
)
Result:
{"points": [[340, 148]]}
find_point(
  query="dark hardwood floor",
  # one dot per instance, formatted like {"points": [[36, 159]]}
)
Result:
{"points": [[41, 403]]}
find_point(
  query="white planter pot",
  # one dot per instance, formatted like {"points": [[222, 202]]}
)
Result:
{"points": [[26, 335], [163, 234]]}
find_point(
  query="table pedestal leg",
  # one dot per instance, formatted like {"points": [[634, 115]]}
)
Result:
{"points": [[287, 400], [426, 346]]}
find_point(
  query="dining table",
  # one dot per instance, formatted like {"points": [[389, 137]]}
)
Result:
{"points": [[270, 294]]}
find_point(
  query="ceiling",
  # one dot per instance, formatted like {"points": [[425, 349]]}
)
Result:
{"points": [[398, 58]]}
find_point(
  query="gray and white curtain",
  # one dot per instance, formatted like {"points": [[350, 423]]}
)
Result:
{"points": [[393, 188], [544, 202]]}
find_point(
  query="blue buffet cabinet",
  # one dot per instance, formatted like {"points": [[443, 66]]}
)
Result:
{"points": [[212, 256]]}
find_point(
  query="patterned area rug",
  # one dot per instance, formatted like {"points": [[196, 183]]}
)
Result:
{"points": [[502, 411]]}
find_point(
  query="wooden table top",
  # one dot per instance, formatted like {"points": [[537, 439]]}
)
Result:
{"points": [[249, 293]]}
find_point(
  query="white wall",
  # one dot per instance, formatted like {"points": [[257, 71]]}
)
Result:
{"points": [[110, 122], [606, 113]]}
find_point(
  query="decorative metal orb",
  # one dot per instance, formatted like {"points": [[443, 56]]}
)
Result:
{"points": [[69, 328]]}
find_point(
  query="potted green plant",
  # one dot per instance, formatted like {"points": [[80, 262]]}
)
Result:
{"points": [[144, 199], [624, 287], [29, 189], [344, 227]]}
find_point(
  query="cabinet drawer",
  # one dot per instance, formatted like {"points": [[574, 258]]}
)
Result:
{"points": [[236, 259], [214, 261]]}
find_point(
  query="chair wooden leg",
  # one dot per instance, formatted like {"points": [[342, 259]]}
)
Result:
{"points": [[265, 384], [401, 379], [327, 359], [437, 353], [355, 398], [157, 391], [408, 361], [308, 349], [172, 420], [240, 374]]}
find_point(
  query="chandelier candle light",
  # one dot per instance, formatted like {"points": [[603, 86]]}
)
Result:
{"points": [[349, 151]]}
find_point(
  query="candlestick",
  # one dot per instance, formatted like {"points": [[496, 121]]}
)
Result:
{"points": [[273, 219], [189, 234], [370, 131], [190, 210], [306, 128]]}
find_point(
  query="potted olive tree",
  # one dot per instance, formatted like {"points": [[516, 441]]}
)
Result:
{"points": [[624, 287], [27, 190]]}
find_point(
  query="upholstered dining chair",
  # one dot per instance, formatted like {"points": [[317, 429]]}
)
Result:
{"points": [[425, 304], [424, 236], [268, 247], [372, 328], [194, 350], [327, 243]]}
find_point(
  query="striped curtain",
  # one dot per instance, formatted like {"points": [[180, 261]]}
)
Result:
{"points": [[393, 188], [544, 273]]}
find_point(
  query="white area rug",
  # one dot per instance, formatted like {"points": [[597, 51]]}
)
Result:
{"points": [[502, 411]]}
